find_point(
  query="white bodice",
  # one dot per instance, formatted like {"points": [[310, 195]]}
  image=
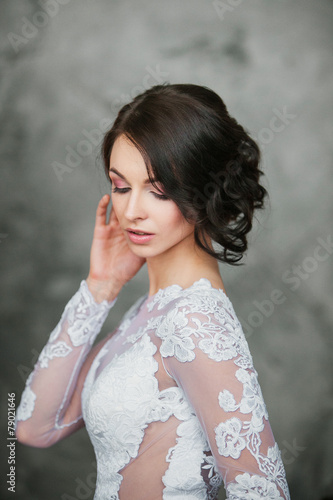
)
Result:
{"points": [[170, 400]]}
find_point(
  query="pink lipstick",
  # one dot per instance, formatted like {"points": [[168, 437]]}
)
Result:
{"points": [[139, 238]]}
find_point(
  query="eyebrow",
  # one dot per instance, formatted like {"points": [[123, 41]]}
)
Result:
{"points": [[146, 181]]}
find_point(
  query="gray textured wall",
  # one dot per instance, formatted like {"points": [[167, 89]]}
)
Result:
{"points": [[62, 74]]}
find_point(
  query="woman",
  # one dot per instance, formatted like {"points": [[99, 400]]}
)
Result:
{"points": [[170, 399]]}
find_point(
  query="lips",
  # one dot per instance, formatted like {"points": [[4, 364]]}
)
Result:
{"points": [[138, 239], [137, 231]]}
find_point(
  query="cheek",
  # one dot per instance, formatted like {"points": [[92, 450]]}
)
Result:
{"points": [[175, 222], [169, 215]]}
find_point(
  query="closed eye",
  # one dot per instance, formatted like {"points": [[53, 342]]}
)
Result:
{"points": [[119, 190], [124, 190]]}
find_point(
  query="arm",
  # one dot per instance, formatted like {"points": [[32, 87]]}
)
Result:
{"points": [[208, 356], [50, 407]]}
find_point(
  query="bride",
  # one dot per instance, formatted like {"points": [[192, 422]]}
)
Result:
{"points": [[170, 398]]}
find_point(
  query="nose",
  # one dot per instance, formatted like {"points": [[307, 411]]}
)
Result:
{"points": [[135, 208]]}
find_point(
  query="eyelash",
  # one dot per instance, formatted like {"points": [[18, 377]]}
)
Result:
{"points": [[124, 190]]}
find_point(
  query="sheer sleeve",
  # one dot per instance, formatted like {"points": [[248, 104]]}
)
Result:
{"points": [[50, 406], [207, 354]]}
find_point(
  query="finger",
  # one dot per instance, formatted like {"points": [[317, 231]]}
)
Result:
{"points": [[113, 216], [101, 211]]}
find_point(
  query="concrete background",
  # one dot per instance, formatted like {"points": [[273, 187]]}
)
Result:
{"points": [[63, 73]]}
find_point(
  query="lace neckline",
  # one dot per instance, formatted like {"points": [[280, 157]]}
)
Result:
{"points": [[202, 282]]}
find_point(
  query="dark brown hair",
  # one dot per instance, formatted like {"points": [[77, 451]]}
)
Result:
{"points": [[204, 159]]}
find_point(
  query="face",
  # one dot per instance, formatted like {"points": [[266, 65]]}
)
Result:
{"points": [[139, 206]]}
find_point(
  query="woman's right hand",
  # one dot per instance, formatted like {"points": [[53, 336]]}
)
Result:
{"points": [[112, 263]]}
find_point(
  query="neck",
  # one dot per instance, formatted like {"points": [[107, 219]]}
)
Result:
{"points": [[182, 265]]}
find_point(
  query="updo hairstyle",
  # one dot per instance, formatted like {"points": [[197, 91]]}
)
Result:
{"points": [[206, 162]]}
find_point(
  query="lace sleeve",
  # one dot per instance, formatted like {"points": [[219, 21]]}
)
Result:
{"points": [[207, 354], [48, 411]]}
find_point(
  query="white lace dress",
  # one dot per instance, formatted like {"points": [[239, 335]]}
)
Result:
{"points": [[170, 399]]}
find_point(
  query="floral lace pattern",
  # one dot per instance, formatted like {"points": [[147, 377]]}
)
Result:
{"points": [[215, 478], [79, 325], [86, 316], [164, 296], [183, 477], [26, 407], [176, 374], [251, 487], [221, 339], [120, 404], [210, 324], [57, 350]]}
